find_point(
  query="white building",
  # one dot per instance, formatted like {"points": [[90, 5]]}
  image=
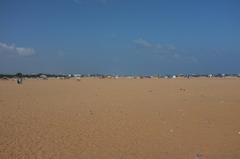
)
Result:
{"points": [[210, 75]]}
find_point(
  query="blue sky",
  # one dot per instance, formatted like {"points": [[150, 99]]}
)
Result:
{"points": [[120, 37]]}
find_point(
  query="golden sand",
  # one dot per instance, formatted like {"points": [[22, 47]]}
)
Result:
{"points": [[120, 119]]}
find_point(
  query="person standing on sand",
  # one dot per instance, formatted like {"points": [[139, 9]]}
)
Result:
{"points": [[19, 78]]}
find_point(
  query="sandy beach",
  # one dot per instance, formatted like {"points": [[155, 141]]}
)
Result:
{"points": [[120, 119]]}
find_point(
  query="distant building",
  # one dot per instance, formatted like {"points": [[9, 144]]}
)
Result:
{"points": [[210, 75], [77, 75], [43, 77], [130, 77]]}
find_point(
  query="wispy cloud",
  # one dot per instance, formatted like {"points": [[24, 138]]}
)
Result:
{"points": [[162, 49], [143, 43], [11, 49], [166, 51]]}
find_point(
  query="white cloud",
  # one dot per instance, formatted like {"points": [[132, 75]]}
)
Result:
{"points": [[11, 49], [167, 51], [164, 49], [142, 43]]}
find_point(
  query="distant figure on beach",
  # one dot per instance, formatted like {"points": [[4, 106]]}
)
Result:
{"points": [[19, 81], [19, 78]]}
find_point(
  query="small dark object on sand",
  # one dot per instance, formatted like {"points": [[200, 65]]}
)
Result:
{"points": [[182, 89], [19, 81], [19, 78]]}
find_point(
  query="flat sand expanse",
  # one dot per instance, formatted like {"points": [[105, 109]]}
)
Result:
{"points": [[120, 119]]}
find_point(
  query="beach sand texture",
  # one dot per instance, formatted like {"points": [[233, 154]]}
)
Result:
{"points": [[120, 119]]}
